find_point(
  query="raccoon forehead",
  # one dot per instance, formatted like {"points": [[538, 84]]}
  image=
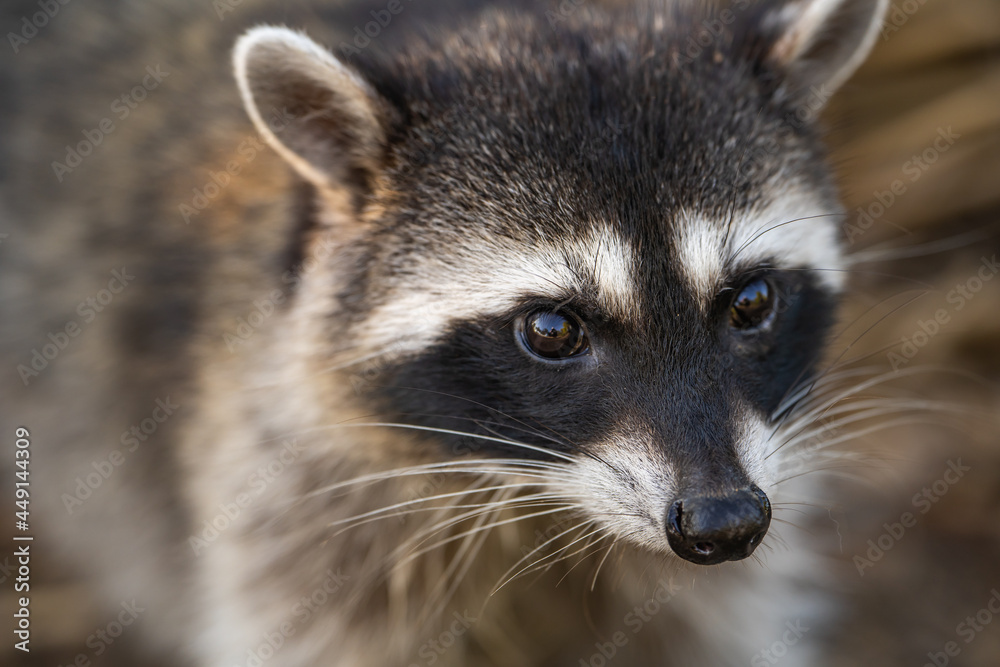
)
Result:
{"points": [[485, 277], [798, 230]]}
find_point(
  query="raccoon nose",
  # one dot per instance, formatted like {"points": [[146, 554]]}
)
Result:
{"points": [[710, 529]]}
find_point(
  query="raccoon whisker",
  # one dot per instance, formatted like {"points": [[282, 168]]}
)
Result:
{"points": [[617, 540], [789, 503], [600, 564], [444, 431], [558, 439], [409, 550], [777, 507], [565, 442], [854, 272], [807, 398], [481, 530], [859, 459], [470, 471], [519, 503], [907, 421], [781, 540], [523, 428], [877, 322], [793, 525], [400, 556], [562, 507], [859, 411], [562, 555], [590, 543], [589, 454], [877, 254], [863, 409], [484, 406], [487, 426], [514, 467], [831, 470], [808, 391], [531, 500], [809, 381], [381, 512], [559, 555], [503, 578], [882, 378], [777, 538], [732, 258], [456, 572]]}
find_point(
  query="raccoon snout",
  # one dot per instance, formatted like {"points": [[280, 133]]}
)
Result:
{"points": [[710, 529]]}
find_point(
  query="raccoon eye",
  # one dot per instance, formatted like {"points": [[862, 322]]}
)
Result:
{"points": [[753, 306], [553, 335]]}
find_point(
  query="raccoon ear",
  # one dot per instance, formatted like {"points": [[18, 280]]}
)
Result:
{"points": [[320, 116], [822, 42]]}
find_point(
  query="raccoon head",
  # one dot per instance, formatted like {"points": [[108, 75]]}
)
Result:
{"points": [[601, 251]]}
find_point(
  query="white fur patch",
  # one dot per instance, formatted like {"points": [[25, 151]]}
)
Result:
{"points": [[794, 232], [628, 490], [491, 279], [752, 447], [613, 262]]}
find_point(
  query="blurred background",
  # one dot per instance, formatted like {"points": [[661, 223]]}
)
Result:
{"points": [[915, 137], [935, 72]]}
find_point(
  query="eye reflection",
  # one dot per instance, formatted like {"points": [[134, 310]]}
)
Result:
{"points": [[553, 335], [753, 306]]}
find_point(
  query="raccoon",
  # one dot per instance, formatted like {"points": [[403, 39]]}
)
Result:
{"points": [[487, 346]]}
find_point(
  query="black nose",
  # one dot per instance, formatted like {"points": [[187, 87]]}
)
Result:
{"points": [[707, 529]]}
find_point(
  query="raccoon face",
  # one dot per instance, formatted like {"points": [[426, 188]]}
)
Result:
{"points": [[585, 252]]}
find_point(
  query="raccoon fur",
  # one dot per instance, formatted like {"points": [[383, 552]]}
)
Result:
{"points": [[488, 342]]}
